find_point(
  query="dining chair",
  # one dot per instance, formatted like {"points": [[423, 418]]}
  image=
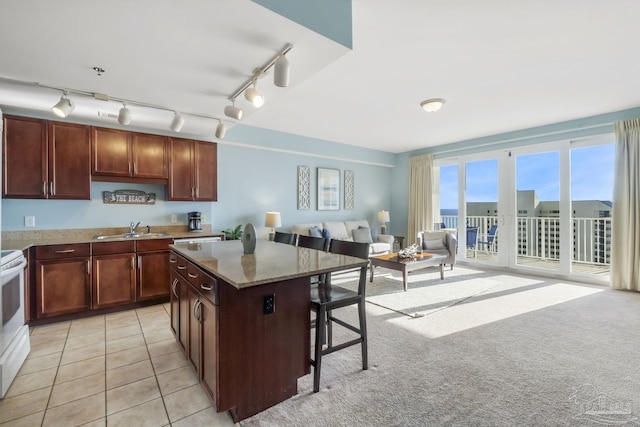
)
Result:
{"points": [[319, 243], [287, 238], [326, 297]]}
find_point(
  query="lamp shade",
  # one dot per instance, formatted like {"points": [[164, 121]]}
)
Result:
{"points": [[272, 219], [383, 216]]}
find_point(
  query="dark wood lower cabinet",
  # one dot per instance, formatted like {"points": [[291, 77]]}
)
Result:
{"points": [[240, 354], [153, 269], [114, 280], [64, 286]]}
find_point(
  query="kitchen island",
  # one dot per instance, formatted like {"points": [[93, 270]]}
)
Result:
{"points": [[244, 320]]}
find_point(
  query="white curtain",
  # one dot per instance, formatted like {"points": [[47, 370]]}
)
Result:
{"points": [[421, 183], [625, 233]]}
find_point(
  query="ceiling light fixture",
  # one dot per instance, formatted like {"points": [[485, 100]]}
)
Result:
{"points": [[280, 77], [124, 116], [64, 107], [177, 122], [233, 111], [281, 72], [432, 105], [221, 130], [253, 96]]}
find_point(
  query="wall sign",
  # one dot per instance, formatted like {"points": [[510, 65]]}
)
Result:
{"points": [[129, 197]]}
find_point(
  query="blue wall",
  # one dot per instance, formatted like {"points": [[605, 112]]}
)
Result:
{"points": [[257, 172]]}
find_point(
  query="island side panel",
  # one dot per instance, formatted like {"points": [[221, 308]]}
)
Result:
{"points": [[262, 355]]}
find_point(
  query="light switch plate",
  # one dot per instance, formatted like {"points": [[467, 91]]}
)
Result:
{"points": [[174, 218], [29, 221]]}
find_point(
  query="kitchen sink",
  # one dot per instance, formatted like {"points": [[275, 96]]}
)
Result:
{"points": [[130, 236]]}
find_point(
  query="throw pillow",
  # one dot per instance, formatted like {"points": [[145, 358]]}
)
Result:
{"points": [[434, 244], [374, 233], [315, 232], [362, 235], [326, 234]]}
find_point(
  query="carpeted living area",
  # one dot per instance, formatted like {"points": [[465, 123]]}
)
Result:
{"points": [[479, 348]]}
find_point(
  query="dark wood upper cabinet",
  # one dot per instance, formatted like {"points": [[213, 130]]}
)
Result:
{"points": [[69, 161], [111, 152], [121, 155], [193, 170], [45, 159]]}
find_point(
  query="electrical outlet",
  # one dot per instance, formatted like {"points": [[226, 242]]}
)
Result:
{"points": [[174, 218], [268, 304], [29, 221], [203, 217]]}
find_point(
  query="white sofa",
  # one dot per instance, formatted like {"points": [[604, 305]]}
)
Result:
{"points": [[343, 230]]}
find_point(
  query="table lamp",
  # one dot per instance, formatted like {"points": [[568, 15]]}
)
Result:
{"points": [[272, 220], [383, 216]]}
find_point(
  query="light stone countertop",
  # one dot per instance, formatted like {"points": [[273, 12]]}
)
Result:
{"points": [[272, 262], [22, 240]]}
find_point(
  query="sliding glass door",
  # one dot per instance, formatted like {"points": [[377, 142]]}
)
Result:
{"points": [[535, 208]]}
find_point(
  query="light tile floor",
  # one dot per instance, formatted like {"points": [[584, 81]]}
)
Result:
{"points": [[120, 369]]}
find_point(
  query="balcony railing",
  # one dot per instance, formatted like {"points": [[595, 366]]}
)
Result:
{"points": [[539, 237]]}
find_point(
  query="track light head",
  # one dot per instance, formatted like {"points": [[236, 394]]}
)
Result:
{"points": [[254, 97], [124, 116], [281, 72], [233, 112], [177, 122], [221, 130], [64, 107]]}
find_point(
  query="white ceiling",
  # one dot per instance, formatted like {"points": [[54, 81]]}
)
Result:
{"points": [[501, 65]]}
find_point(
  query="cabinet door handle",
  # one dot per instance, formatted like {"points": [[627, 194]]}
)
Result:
{"points": [[182, 267], [135, 167], [133, 263], [173, 287], [139, 262], [193, 276], [66, 251], [173, 260], [197, 192], [129, 168], [44, 188], [52, 190], [196, 305], [88, 267], [206, 288]]}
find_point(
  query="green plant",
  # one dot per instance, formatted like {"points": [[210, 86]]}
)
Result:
{"points": [[233, 234]]}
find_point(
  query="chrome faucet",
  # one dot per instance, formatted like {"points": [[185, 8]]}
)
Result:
{"points": [[132, 227]]}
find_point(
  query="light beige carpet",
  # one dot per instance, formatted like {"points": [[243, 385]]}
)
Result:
{"points": [[487, 349]]}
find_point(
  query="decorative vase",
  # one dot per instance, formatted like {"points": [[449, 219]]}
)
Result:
{"points": [[249, 239]]}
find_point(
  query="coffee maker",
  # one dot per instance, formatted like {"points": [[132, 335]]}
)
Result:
{"points": [[195, 222]]}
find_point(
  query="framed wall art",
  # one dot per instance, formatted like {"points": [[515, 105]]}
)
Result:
{"points": [[349, 190], [304, 187], [328, 189]]}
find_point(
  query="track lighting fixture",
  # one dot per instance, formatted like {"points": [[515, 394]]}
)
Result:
{"points": [[177, 122], [432, 105], [281, 72], [221, 130], [233, 112], [64, 107], [253, 96], [124, 116]]}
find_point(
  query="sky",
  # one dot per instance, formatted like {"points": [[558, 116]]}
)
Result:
{"points": [[591, 177]]}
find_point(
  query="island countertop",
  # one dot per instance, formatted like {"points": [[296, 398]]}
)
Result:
{"points": [[271, 261]]}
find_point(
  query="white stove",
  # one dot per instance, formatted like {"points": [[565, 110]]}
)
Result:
{"points": [[14, 334]]}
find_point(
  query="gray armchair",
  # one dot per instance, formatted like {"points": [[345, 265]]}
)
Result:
{"points": [[439, 242]]}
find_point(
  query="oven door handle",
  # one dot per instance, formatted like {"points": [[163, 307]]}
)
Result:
{"points": [[12, 270]]}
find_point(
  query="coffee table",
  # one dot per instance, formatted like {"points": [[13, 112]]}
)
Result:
{"points": [[422, 260]]}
